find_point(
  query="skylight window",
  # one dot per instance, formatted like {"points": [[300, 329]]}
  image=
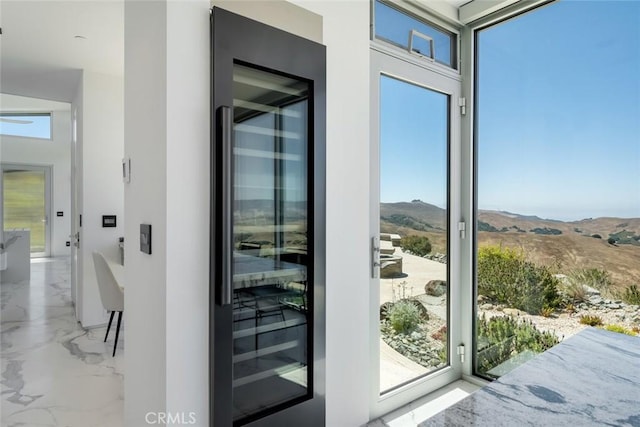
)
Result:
{"points": [[27, 125]]}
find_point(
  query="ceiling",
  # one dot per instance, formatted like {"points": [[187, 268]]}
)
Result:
{"points": [[456, 3], [17, 104], [41, 55]]}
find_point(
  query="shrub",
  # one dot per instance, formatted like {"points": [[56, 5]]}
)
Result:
{"points": [[403, 316], [485, 226], [546, 311], [631, 295], [504, 276], [593, 277], [619, 329], [416, 245], [575, 291], [625, 237], [590, 320], [401, 291], [502, 337], [546, 231]]}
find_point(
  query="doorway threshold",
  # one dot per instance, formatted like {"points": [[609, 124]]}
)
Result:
{"points": [[419, 410]]}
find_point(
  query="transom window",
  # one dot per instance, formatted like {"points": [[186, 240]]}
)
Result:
{"points": [[28, 125], [401, 29]]}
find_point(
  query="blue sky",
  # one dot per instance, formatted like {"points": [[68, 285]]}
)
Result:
{"points": [[29, 126], [413, 149], [558, 115]]}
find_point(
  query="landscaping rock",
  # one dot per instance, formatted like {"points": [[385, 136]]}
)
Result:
{"points": [[384, 310], [436, 288], [513, 312], [591, 291]]}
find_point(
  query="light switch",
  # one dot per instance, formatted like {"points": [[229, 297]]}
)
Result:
{"points": [[145, 238]]}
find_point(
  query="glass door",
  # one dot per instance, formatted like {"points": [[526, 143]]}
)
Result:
{"points": [[26, 203], [270, 253], [267, 251], [415, 305]]}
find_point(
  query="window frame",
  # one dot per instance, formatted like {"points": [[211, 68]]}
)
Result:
{"points": [[9, 114], [426, 18]]}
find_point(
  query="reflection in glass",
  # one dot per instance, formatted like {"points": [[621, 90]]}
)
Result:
{"points": [[414, 299], [270, 230]]}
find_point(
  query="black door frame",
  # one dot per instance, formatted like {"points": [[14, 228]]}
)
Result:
{"points": [[239, 40]]}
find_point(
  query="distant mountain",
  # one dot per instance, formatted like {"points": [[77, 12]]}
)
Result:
{"points": [[518, 216], [612, 244], [416, 215], [623, 230], [407, 217]]}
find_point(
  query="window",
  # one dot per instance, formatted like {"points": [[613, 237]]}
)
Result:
{"points": [[401, 29], [558, 178], [414, 244], [29, 125]]}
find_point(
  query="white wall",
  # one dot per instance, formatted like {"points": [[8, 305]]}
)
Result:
{"points": [[40, 152], [188, 190], [145, 382], [101, 142], [167, 133], [346, 35]]}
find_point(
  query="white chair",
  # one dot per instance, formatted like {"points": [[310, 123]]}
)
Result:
{"points": [[111, 293]]}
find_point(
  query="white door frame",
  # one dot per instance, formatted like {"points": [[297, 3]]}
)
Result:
{"points": [[383, 62], [47, 169], [74, 238]]}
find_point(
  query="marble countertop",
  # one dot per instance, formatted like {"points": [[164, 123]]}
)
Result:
{"points": [[590, 379]]}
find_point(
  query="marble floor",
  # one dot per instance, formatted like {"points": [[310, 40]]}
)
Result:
{"points": [[54, 372], [426, 407]]}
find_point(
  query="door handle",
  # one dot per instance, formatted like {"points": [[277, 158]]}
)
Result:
{"points": [[375, 257], [225, 123]]}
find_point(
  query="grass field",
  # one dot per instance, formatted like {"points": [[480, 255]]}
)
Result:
{"points": [[24, 204]]}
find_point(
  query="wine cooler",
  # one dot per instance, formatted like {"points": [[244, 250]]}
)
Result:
{"points": [[267, 225]]}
